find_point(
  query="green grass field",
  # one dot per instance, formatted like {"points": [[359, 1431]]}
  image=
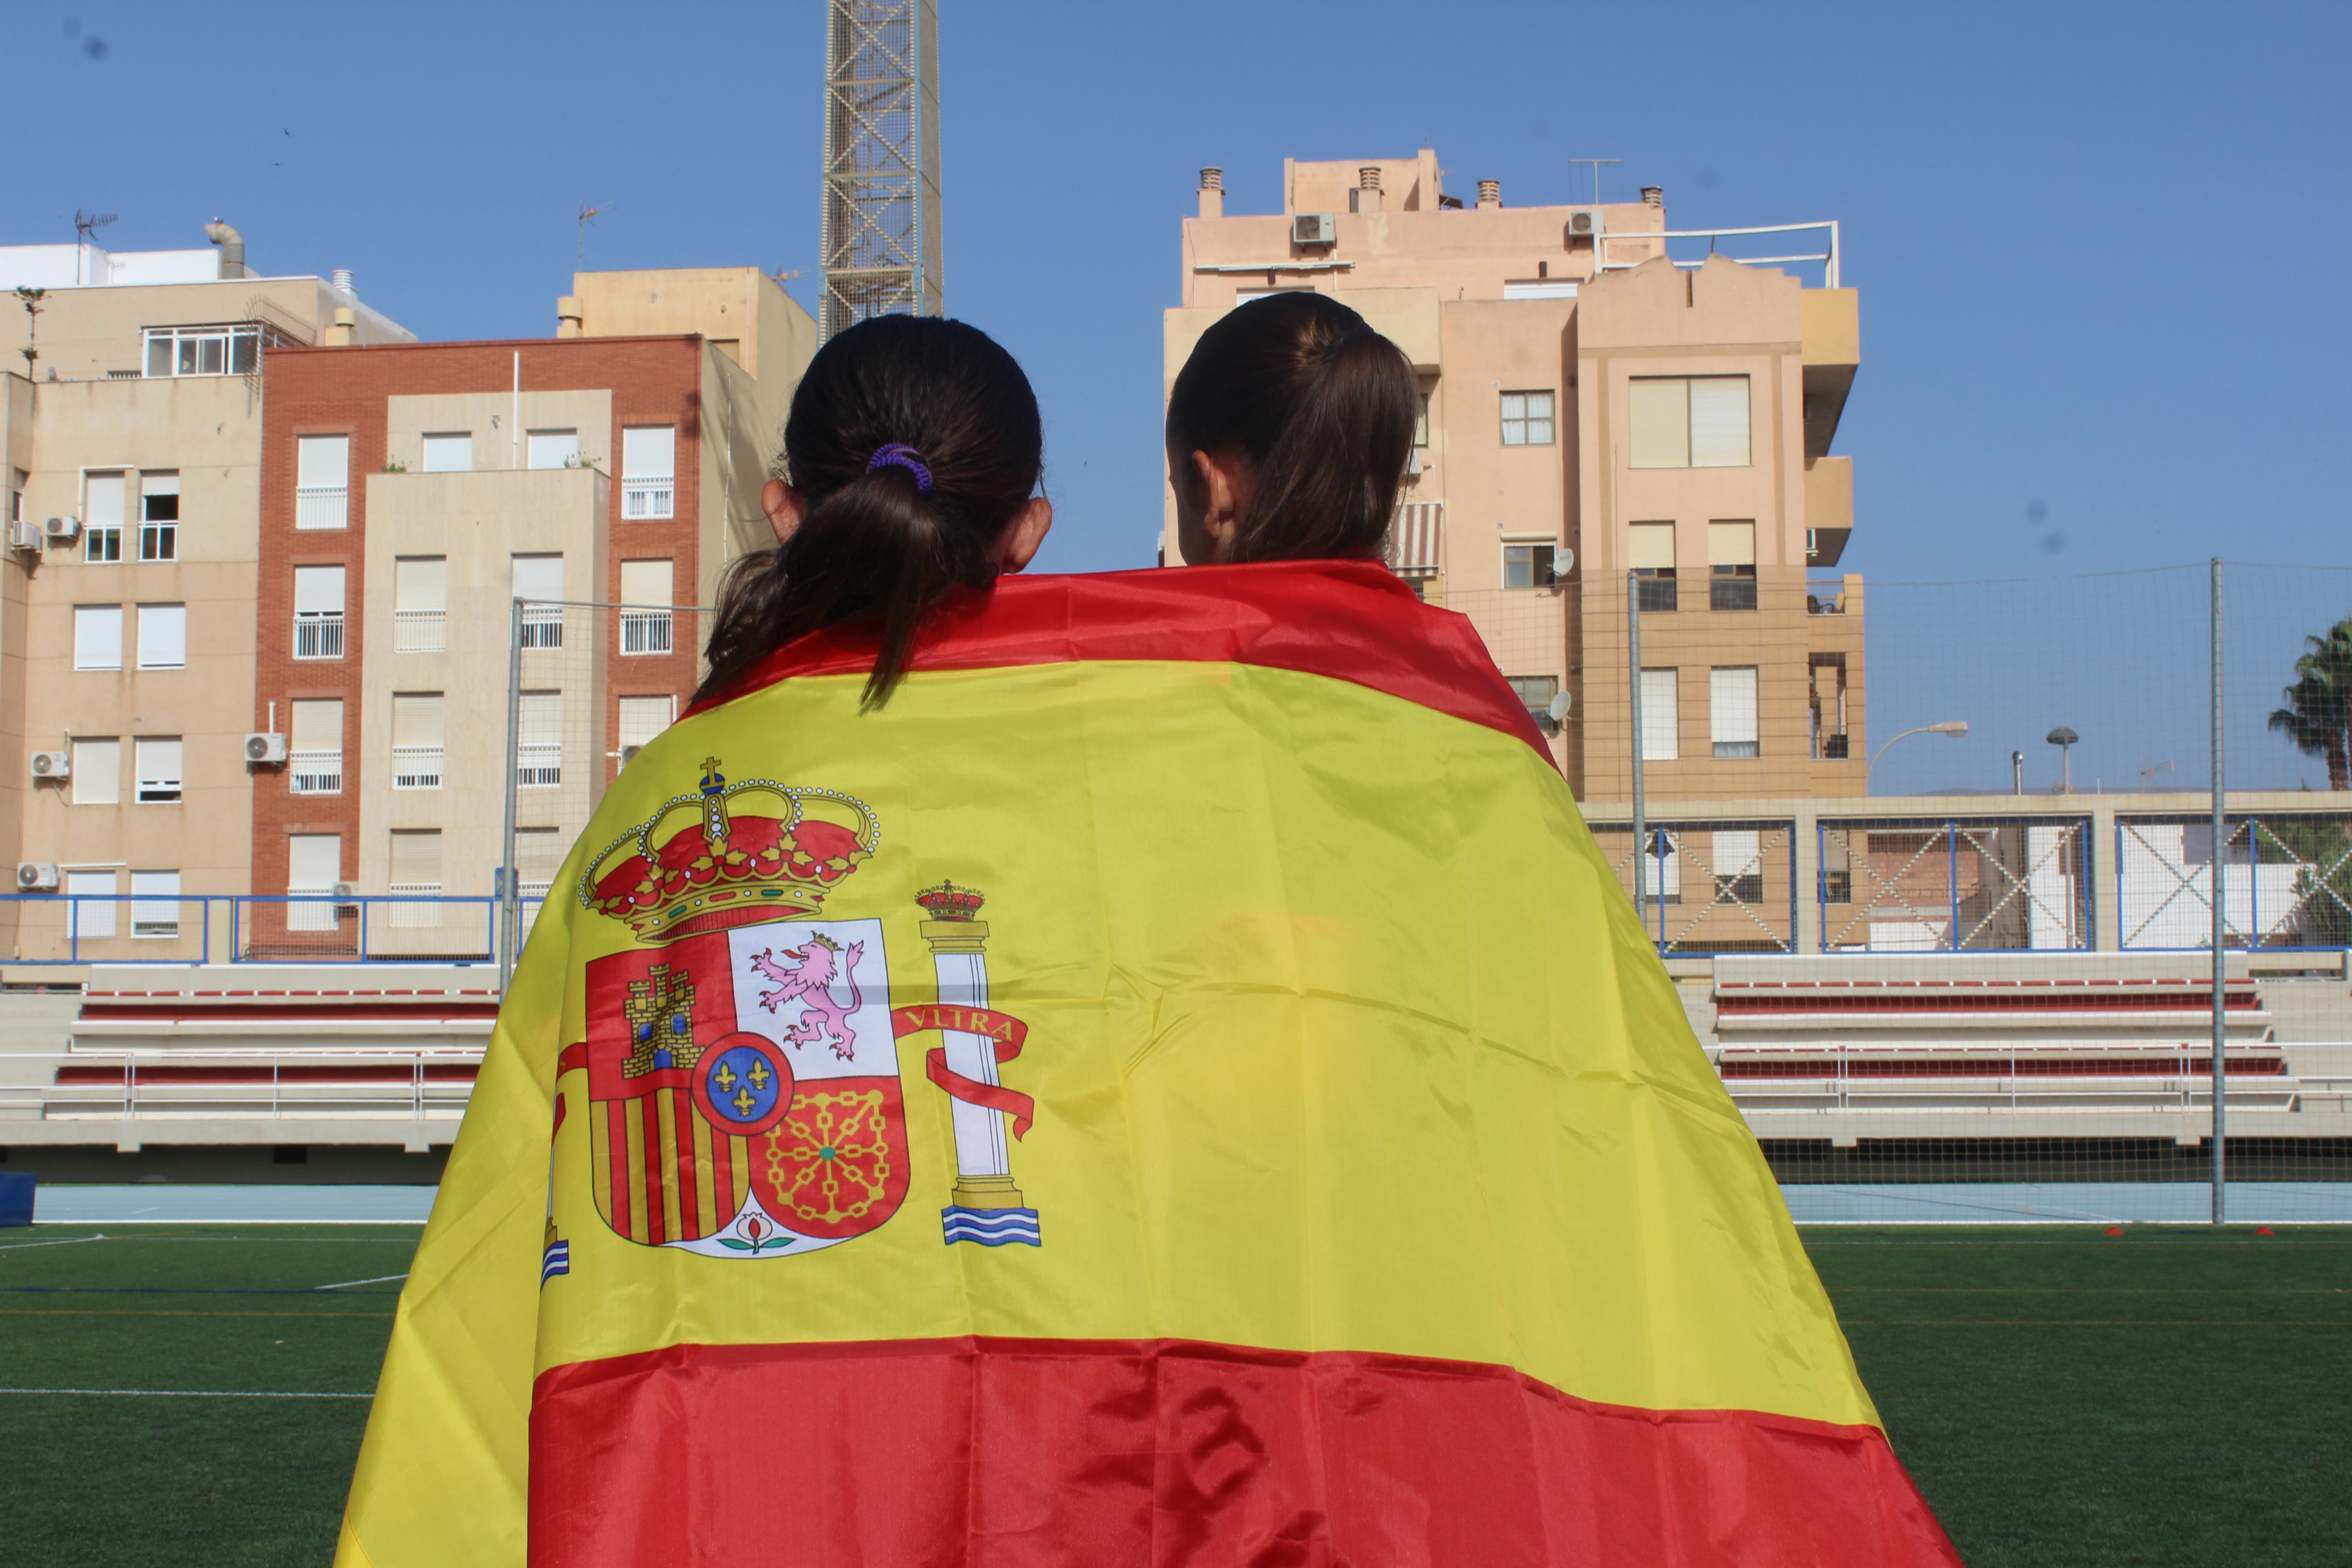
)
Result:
{"points": [[2063, 1396]]}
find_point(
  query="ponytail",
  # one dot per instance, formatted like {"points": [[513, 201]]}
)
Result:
{"points": [[914, 440]]}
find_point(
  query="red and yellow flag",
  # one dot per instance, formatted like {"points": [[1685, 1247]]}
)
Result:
{"points": [[1178, 1085]]}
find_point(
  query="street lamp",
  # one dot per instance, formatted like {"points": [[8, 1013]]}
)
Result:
{"points": [[1955, 728], [2064, 738]]}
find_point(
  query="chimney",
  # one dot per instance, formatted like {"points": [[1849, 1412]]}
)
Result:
{"points": [[1213, 192], [232, 248], [1655, 196], [1490, 193], [345, 332], [342, 278], [567, 317], [1367, 188]]}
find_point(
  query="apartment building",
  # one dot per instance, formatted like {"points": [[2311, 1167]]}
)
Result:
{"points": [[1597, 403], [409, 495], [131, 442]]}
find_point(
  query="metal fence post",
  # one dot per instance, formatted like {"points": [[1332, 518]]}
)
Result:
{"points": [[2221, 919], [1633, 683], [509, 904]]}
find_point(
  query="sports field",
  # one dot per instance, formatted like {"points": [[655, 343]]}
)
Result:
{"points": [[2064, 1396]]}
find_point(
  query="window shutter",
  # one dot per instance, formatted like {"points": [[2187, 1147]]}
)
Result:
{"points": [[156, 911], [318, 590], [539, 854], [416, 718], [1739, 851], [163, 484], [1731, 544], [643, 717], [449, 454], [106, 500], [551, 448], [1718, 422], [314, 862], [539, 576], [322, 462], [645, 583], [1661, 717], [159, 763], [317, 726], [162, 637], [416, 858], [420, 582], [1661, 415], [97, 772], [1652, 547], [94, 918], [97, 637], [649, 452], [540, 718], [1731, 706]]}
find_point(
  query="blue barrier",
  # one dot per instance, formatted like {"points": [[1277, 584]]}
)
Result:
{"points": [[75, 928], [15, 1197]]}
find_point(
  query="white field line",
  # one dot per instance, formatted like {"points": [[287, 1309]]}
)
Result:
{"points": [[379, 1280], [70, 1241], [187, 1393]]}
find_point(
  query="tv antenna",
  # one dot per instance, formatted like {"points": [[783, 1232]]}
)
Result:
{"points": [[85, 226], [1596, 163], [2147, 776], [587, 216]]}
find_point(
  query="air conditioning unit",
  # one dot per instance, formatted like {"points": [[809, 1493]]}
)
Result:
{"points": [[347, 889], [52, 764], [37, 877], [1584, 223], [629, 754], [260, 747], [25, 535], [1314, 229], [62, 527]]}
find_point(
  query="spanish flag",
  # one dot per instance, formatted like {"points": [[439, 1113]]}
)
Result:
{"points": [[1179, 1085]]}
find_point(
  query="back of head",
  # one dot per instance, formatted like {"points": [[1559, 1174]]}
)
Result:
{"points": [[913, 440], [1319, 406]]}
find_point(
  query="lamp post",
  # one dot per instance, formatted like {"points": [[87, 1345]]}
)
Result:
{"points": [[2064, 738], [1955, 728]]}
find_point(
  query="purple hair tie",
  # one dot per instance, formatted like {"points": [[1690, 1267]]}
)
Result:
{"points": [[900, 455]]}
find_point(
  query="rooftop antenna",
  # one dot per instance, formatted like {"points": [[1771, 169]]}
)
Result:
{"points": [[587, 216], [879, 229], [87, 224], [1596, 163]]}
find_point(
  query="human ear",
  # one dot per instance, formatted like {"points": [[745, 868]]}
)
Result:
{"points": [[785, 507], [1017, 545], [1223, 490]]}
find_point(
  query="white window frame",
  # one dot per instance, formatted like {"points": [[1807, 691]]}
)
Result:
{"points": [[1523, 425], [102, 537], [1662, 447], [1541, 564], [444, 445], [647, 496], [159, 538], [163, 626], [148, 890], [90, 622], [226, 348], [97, 770], [1733, 721], [152, 783], [321, 916], [322, 489], [1661, 714], [92, 919]]}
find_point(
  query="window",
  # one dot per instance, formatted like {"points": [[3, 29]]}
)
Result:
{"points": [[1661, 717], [1828, 704], [416, 740], [159, 516], [97, 637], [1421, 422], [314, 748], [539, 578], [318, 612], [539, 741], [539, 854], [1690, 422], [416, 874], [648, 467], [314, 864], [154, 903], [420, 604], [1662, 866], [1526, 419], [449, 453], [643, 717], [97, 771], [17, 479], [645, 628], [1536, 691], [158, 760], [1527, 566], [1739, 865], [1731, 566], [101, 517], [162, 637], [1651, 553], [96, 916], [233, 348], [322, 479], [551, 448], [1731, 710]]}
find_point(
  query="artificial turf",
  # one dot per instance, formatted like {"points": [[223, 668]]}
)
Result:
{"points": [[2060, 1395]]}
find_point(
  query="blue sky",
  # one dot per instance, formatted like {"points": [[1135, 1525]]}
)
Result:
{"points": [[2098, 246]]}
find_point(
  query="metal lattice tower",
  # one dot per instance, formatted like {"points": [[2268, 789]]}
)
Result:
{"points": [[879, 237]]}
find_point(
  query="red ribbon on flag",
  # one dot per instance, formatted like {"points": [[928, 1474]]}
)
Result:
{"points": [[1005, 1032]]}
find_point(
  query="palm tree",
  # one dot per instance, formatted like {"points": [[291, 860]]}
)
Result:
{"points": [[2317, 717]]}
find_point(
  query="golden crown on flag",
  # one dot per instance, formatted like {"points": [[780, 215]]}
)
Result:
{"points": [[949, 902], [704, 862]]}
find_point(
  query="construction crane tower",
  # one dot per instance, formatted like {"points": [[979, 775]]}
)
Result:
{"points": [[879, 237]]}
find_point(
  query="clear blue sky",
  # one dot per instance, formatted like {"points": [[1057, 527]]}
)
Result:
{"points": [[2099, 246]]}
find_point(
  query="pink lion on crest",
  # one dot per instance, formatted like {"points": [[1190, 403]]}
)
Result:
{"points": [[810, 982]]}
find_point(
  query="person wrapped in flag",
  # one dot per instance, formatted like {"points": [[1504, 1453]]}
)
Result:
{"points": [[1141, 1069]]}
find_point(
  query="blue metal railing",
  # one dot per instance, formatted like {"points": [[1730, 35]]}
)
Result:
{"points": [[58, 929]]}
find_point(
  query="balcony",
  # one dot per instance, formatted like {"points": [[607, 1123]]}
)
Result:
{"points": [[647, 501], [538, 767], [542, 626], [1830, 748], [315, 773], [420, 631], [417, 767], [319, 634], [1825, 596], [645, 631], [322, 506]]}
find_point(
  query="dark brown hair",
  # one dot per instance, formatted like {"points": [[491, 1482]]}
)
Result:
{"points": [[1319, 405], [878, 545]]}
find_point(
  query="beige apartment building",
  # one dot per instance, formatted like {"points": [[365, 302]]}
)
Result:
{"points": [[1595, 407], [133, 442]]}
